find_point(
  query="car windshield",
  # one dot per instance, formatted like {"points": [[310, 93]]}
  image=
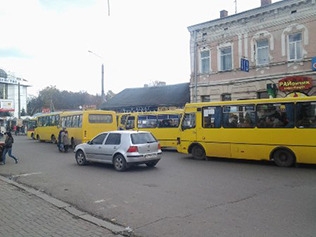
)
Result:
{"points": [[141, 138]]}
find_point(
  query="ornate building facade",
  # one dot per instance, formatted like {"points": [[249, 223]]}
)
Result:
{"points": [[269, 51], [13, 94]]}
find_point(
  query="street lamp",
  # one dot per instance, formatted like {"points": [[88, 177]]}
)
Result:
{"points": [[102, 75]]}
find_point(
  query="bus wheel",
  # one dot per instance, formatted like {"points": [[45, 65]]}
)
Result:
{"points": [[283, 158], [80, 158], [198, 153]]}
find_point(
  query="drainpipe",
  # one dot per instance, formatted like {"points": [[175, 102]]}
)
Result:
{"points": [[194, 67]]}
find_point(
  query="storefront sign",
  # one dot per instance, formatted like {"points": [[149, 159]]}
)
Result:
{"points": [[295, 83], [6, 105]]}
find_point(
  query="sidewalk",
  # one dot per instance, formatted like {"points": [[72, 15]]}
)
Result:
{"points": [[27, 212]]}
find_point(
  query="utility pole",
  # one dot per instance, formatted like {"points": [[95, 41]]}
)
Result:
{"points": [[108, 7], [19, 101], [102, 75]]}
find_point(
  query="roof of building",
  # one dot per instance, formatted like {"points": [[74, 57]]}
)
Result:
{"points": [[3, 74], [170, 95], [244, 14]]}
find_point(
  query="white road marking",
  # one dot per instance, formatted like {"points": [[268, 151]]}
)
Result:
{"points": [[99, 201], [24, 175]]}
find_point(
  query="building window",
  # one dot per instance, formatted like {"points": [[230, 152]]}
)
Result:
{"points": [[205, 98], [295, 46], [262, 95], [262, 52], [205, 62], [3, 91], [226, 97], [226, 58]]}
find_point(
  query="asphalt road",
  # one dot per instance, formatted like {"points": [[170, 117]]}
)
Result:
{"points": [[180, 196]]}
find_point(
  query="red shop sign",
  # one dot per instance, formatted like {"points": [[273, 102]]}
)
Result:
{"points": [[295, 83]]}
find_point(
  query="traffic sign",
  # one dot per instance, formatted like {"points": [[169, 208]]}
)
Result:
{"points": [[314, 63], [244, 65]]}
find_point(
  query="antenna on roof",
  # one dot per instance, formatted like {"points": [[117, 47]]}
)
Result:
{"points": [[235, 6]]}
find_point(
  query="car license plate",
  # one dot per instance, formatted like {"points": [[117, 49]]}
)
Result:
{"points": [[150, 156]]}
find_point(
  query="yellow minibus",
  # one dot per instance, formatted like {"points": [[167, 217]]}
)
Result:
{"points": [[47, 127], [280, 129], [83, 125], [164, 125]]}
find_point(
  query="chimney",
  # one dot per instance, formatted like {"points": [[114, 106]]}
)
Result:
{"points": [[265, 2], [223, 13]]}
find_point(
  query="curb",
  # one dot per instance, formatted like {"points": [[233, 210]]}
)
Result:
{"points": [[115, 229]]}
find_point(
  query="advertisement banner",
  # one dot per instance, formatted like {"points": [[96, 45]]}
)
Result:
{"points": [[6, 105], [295, 83]]}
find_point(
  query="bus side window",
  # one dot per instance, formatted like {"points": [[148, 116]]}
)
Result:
{"points": [[212, 117], [130, 122], [275, 115], [306, 115]]}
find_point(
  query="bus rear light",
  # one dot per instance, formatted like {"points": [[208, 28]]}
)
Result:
{"points": [[132, 149]]}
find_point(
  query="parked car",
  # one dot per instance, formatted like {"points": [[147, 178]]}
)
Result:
{"points": [[120, 148]]}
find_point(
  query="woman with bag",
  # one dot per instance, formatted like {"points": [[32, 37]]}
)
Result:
{"points": [[8, 148]]}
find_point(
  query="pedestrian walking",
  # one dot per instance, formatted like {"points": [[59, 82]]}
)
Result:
{"points": [[66, 141], [8, 148]]}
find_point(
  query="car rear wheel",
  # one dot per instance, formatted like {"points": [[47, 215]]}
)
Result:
{"points": [[81, 158], [152, 163], [119, 162]]}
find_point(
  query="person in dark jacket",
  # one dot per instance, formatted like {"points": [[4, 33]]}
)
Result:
{"points": [[8, 148]]}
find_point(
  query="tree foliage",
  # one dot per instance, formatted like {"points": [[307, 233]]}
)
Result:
{"points": [[52, 99]]}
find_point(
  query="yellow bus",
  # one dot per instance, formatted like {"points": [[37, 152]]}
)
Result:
{"points": [[83, 125], [281, 130], [164, 125], [47, 127]]}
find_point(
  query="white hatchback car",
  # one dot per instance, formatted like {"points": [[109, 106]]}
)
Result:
{"points": [[120, 148]]}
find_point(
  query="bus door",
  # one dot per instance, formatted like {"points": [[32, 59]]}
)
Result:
{"points": [[188, 134], [130, 122]]}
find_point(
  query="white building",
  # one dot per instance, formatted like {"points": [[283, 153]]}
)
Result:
{"points": [[13, 94]]}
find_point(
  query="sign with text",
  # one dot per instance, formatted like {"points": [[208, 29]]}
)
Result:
{"points": [[244, 65], [295, 83], [6, 105]]}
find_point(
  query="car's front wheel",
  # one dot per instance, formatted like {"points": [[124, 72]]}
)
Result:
{"points": [[119, 162], [81, 158]]}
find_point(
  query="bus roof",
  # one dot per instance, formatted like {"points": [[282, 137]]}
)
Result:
{"points": [[255, 101]]}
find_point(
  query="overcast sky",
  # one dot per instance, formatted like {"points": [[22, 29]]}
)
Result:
{"points": [[46, 42]]}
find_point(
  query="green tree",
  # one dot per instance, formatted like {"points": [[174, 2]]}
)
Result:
{"points": [[56, 100], [23, 113]]}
